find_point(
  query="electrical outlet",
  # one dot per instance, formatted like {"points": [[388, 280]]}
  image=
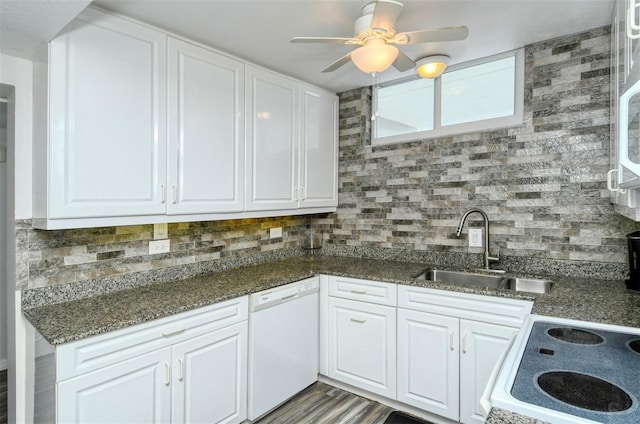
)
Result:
{"points": [[159, 246], [475, 237], [275, 232]]}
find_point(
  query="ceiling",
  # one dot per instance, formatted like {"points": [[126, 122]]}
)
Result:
{"points": [[259, 30]]}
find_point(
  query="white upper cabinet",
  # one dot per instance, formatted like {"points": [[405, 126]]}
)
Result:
{"points": [[133, 126], [206, 132], [107, 109], [292, 144], [272, 135], [318, 148]]}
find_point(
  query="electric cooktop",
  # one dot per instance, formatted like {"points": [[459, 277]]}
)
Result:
{"points": [[591, 373]]}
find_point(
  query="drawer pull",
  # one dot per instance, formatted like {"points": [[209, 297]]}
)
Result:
{"points": [[173, 333], [359, 320], [354, 291], [451, 342], [464, 343], [167, 374]]}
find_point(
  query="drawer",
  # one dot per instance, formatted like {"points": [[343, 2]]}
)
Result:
{"points": [[95, 352], [363, 290], [491, 309]]}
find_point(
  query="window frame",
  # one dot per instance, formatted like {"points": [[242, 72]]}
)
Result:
{"points": [[466, 127]]}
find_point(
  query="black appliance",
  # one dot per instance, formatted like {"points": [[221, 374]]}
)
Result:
{"points": [[633, 241]]}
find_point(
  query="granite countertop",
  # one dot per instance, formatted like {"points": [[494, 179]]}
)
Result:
{"points": [[593, 300], [605, 301]]}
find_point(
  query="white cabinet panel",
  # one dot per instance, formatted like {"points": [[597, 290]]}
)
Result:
{"points": [[206, 132], [134, 391], [481, 347], [428, 370], [272, 134], [362, 345], [107, 114], [211, 377], [318, 148], [196, 372]]}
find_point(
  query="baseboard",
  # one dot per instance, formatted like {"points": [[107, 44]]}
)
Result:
{"points": [[4, 364]]}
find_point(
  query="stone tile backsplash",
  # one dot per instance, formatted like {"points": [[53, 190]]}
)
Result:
{"points": [[67, 264], [541, 183]]}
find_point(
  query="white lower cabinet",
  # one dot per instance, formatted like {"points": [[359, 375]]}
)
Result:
{"points": [[132, 391], [448, 344], [183, 369], [362, 343], [444, 363], [481, 345], [428, 370], [210, 378]]}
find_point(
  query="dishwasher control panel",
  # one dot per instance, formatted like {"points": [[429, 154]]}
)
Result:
{"points": [[284, 293]]}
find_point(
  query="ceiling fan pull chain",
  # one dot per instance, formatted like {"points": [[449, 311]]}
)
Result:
{"points": [[375, 113]]}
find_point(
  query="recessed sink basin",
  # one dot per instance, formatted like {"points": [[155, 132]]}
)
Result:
{"points": [[490, 281], [531, 285], [461, 277]]}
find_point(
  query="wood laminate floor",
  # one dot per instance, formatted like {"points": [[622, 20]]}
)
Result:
{"points": [[323, 404], [4, 405]]}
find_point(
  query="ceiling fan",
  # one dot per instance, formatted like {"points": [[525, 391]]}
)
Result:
{"points": [[376, 37]]}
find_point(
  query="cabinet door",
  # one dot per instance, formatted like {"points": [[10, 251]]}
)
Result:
{"points": [[206, 132], [134, 391], [210, 378], [428, 368], [107, 115], [481, 346], [272, 137], [318, 148], [362, 349]]}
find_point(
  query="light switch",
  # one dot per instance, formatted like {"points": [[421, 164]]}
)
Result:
{"points": [[275, 232], [160, 231]]}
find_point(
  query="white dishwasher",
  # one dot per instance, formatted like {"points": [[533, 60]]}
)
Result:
{"points": [[283, 344]]}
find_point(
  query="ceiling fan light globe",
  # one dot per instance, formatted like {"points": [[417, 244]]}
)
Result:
{"points": [[375, 56], [432, 66]]}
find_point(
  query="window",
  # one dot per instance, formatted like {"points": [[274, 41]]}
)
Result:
{"points": [[476, 96]]}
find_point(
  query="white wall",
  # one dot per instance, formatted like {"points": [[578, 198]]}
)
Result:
{"points": [[16, 83]]}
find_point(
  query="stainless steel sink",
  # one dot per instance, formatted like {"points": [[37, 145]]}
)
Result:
{"points": [[465, 278], [487, 280], [531, 285]]}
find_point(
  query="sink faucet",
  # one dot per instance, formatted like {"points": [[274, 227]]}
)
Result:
{"points": [[487, 256]]}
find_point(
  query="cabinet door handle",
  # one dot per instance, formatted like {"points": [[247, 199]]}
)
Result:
{"points": [[354, 291], [173, 333], [175, 194], [163, 194], [167, 374], [451, 340], [464, 343], [359, 320], [180, 370]]}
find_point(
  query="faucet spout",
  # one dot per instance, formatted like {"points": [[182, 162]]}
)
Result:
{"points": [[486, 255]]}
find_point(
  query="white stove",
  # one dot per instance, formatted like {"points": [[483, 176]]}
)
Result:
{"points": [[571, 372]]}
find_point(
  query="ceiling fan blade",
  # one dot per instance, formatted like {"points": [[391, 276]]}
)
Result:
{"points": [[385, 14], [329, 40], [403, 62], [338, 63], [432, 35]]}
